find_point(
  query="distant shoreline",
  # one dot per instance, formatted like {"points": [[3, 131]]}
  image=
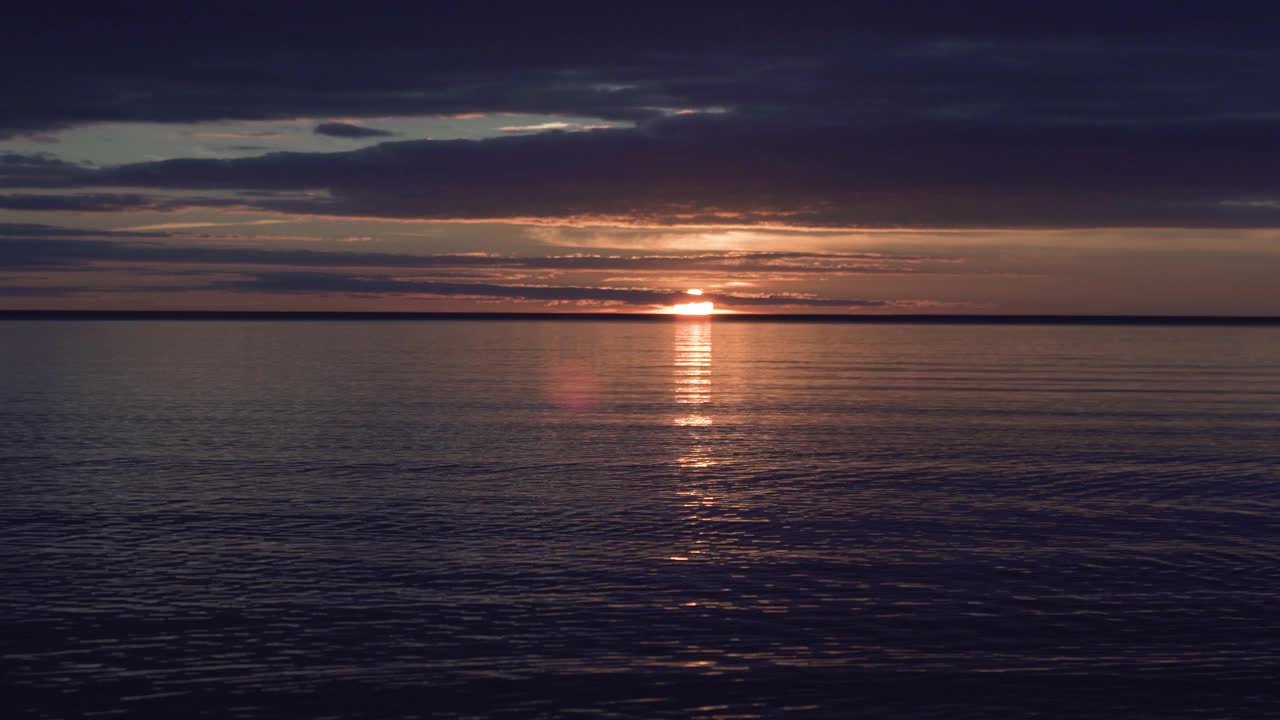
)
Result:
{"points": [[151, 315]]}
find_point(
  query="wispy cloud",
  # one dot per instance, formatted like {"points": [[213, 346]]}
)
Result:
{"points": [[191, 225], [307, 282], [238, 134], [538, 127]]}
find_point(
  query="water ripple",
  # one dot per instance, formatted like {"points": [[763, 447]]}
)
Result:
{"points": [[274, 520]]}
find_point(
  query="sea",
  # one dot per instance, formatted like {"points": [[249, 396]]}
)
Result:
{"points": [[667, 518]]}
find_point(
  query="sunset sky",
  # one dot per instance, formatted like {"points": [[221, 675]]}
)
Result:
{"points": [[946, 157]]}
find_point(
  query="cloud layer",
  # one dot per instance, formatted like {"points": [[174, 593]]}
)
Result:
{"points": [[1146, 127], [28, 248], [1117, 114]]}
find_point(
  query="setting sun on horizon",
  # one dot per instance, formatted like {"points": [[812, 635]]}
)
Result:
{"points": [[705, 307]]}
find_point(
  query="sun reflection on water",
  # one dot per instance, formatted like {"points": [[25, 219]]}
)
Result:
{"points": [[691, 381], [692, 371]]}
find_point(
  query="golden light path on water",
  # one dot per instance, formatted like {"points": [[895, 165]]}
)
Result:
{"points": [[691, 378], [692, 369]]}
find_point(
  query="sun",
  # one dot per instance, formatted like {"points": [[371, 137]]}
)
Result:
{"points": [[706, 307], [701, 308]]}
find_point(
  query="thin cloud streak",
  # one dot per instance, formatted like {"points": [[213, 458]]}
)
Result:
{"points": [[192, 225], [349, 131], [40, 245], [326, 283]]}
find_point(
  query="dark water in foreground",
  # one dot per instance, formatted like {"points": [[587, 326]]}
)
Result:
{"points": [[623, 520]]}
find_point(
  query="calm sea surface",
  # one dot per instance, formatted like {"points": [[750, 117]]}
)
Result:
{"points": [[638, 520]]}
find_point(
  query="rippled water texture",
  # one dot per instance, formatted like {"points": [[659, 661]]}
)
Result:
{"points": [[632, 520]]}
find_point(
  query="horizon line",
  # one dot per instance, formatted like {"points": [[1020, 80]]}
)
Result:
{"points": [[322, 315]]}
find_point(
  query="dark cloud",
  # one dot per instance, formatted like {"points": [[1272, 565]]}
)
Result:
{"points": [[37, 291], [926, 114], [1080, 63], [349, 131], [726, 169], [306, 282], [37, 230], [37, 170], [83, 202]]}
